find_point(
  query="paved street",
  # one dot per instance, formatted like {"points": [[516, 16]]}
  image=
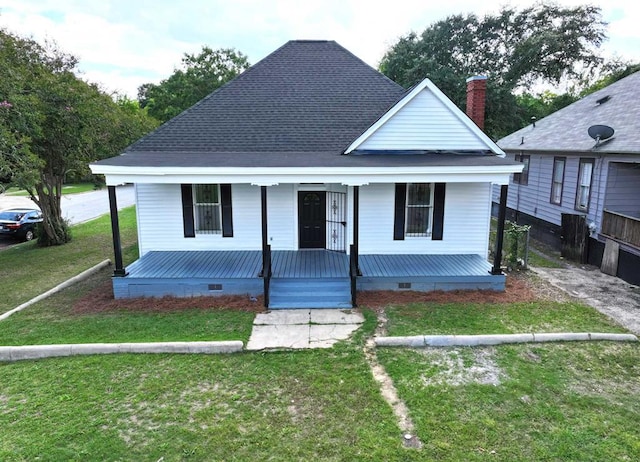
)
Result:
{"points": [[77, 208]]}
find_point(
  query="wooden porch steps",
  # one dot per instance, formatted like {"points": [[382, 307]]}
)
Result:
{"points": [[310, 293]]}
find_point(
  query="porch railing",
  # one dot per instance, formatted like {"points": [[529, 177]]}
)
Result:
{"points": [[621, 227], [353, 273], [266, 274]]}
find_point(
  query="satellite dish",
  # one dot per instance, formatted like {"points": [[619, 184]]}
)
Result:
{"points": [[600, 132]]}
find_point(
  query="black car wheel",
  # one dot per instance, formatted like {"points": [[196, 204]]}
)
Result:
{"points": [[28, 235]]}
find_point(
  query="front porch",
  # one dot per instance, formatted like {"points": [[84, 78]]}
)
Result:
{"points": [[304, 279]]}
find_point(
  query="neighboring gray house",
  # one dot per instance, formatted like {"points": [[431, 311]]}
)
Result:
{"points": [[307, 178], [567, 172]]}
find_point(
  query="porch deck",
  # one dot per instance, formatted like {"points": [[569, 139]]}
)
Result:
{"points": [[192, 273]]}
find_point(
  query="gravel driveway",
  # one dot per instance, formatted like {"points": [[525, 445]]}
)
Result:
{"points": [[609, 295]]}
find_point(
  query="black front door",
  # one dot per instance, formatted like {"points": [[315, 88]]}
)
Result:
{"points": [[312, 219]]}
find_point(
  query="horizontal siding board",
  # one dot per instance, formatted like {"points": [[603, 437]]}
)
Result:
{"points": [[160, 220], [466, 221], [424, 123], [607, 189]]}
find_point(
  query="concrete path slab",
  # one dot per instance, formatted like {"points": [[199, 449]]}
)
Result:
{"points": [[336, 317], [325, 335], [297, 329], [279, 336], [282, 317]]}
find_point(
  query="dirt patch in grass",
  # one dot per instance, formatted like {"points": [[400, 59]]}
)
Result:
{"points": [[456, 367], [100, 300], [518, 288]]}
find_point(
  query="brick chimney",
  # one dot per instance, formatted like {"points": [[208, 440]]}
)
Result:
{"points": [[476, 98]]}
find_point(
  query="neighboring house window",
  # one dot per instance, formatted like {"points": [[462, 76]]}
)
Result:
{"points": [[585, 175], [522, 178], [557, 180], [207, 209], [419, 209]]}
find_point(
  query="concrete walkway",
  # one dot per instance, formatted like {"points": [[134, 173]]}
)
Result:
{"points": [[316, 328]]}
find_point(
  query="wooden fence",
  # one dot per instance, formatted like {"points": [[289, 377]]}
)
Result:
{"points": [[621, 227]]}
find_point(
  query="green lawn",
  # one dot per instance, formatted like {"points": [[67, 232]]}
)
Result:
{"points": [[293, 406], [564, 402], [66, 189], [484, 318], [53, 320], [28, 270]]}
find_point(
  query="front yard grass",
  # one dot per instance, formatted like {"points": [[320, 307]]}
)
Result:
{"points": [[29, 270], [53, 321], [569, 402], [485, 318], [287, 406]]}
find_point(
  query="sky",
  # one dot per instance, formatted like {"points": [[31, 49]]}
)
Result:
{"points": [[123, 44]]}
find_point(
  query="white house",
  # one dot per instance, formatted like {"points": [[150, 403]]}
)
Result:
{"points": [[307, 178]]}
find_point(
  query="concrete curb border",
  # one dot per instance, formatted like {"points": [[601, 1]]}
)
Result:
{"points": [[17, 353], [69, 282], [499, 339]]}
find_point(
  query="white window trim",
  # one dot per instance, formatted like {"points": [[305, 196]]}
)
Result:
{"points": [[560, 183], [429, 230], [581, 163]]}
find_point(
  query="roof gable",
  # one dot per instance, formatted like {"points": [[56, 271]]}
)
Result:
{"points": [[424, 120], [307, 96], [566, 129]]}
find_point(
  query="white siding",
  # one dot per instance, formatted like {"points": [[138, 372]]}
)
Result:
{"points": [[160, 220], [281, 217], [466, 222], [425, 123]]}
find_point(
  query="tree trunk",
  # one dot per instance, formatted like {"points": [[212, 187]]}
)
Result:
{"points": [[55, 229]]}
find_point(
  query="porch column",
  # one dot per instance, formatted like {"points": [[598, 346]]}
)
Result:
{"points": [[265, 243], [497, 259], [115, 232], [356, 224]]}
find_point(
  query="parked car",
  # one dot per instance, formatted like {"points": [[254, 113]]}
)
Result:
{"points": [[20, 224]]}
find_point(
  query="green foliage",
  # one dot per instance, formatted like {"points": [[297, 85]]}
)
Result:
{"points": [[535, 107], [515, 49], [613, 72], [198, 76], [516, 243], [52, 124]]}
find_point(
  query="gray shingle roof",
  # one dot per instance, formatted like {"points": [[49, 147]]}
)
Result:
{"points": [[566, 129], [305, 96]]}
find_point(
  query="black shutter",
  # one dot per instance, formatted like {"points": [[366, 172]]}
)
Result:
{"points": [[399, 211], [438, 211], [187, 210], [227, 215]]}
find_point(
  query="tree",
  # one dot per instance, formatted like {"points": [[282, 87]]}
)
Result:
{"points": [[515, 49], [199, 75], [53, 124]]}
